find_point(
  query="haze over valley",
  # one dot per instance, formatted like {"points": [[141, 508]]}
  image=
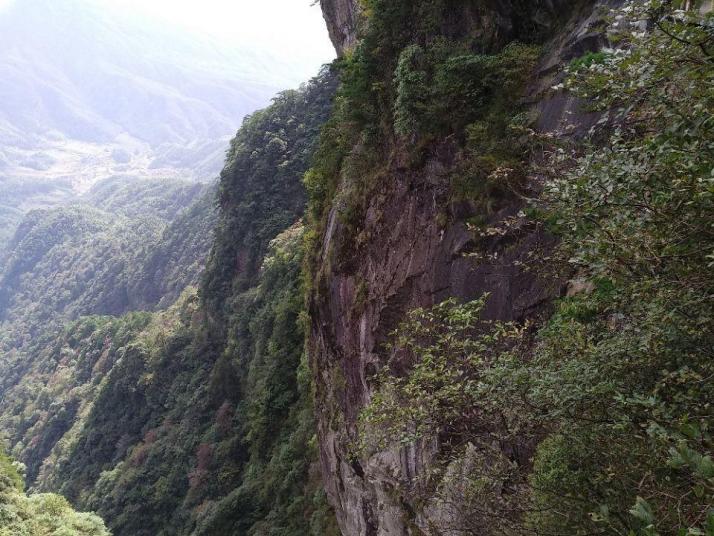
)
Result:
{"points": [[92, 90]]}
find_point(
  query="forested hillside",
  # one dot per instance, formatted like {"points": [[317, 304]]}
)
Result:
{"points": [[99, 257], [195, 419]]}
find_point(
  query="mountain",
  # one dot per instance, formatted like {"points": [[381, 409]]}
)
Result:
{"points": [[129, 245], [89, 92], [459, 283], [165, 408], [98, 257]]}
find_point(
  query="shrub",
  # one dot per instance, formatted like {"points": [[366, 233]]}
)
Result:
{"points": [[616, 388]]}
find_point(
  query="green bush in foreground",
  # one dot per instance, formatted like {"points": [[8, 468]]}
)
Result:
{"points": [[39, 515]]}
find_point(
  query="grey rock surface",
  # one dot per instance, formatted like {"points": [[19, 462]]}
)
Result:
{"points": [[406, 258]]}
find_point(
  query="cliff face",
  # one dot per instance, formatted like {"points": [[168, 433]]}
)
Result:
{"points": [[345, 18], [406, 257], [341, 17]]}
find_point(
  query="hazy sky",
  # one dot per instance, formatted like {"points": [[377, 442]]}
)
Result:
{"points": [[287, 26]]}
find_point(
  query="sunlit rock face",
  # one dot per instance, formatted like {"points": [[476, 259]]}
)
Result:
{"points": [[341, 17], [409, 260]]}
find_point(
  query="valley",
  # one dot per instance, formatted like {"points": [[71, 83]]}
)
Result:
{"points": [[457, 283], [90, 93]]}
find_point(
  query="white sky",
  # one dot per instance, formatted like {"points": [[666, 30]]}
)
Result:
{"points": [[278, 25]]}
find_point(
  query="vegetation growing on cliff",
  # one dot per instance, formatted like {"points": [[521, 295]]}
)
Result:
{"points": [[616, 389], [416, 79], [446, 349], [632, 360]]}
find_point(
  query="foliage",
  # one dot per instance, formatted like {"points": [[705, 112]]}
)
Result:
{"points": [[39, 515], [616, 388], [633, 360], [412, 88], [260, 192], [588, 59], [140, 424], [10, 217], [158, 421], [435, 376], [175, 443], [44, 411], [442, 383], [442, 89], [280, 492]]}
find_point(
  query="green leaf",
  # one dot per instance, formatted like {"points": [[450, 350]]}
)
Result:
{"points": [[643, 511]]}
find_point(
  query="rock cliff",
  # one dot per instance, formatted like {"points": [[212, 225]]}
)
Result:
{"points": [[341, 17], [407, 257]]}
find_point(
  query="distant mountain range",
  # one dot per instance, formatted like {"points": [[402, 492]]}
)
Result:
{"points": [[87, 93]]}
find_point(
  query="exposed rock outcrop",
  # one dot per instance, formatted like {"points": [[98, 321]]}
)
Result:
{"points": [[408, 258], [485, 21], [341, 17]]}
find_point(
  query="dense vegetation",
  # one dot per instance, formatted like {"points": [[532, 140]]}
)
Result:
{"points": [[73, 260], [15, 195], [260, 193], [39, 515], [417, 79], [135, 198], [97, 256], [195, 419], [632, 359], [616, 389], [81, 260]]}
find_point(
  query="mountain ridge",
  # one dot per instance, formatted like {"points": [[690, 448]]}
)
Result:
{"points": [[90, 92]]}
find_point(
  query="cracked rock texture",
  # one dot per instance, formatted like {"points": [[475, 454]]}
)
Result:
{"points": [[405, 258], [341, 17]]}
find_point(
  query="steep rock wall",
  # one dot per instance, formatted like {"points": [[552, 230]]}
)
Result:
{"points": [[406, 259], [341, 17], [346, 19]]}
